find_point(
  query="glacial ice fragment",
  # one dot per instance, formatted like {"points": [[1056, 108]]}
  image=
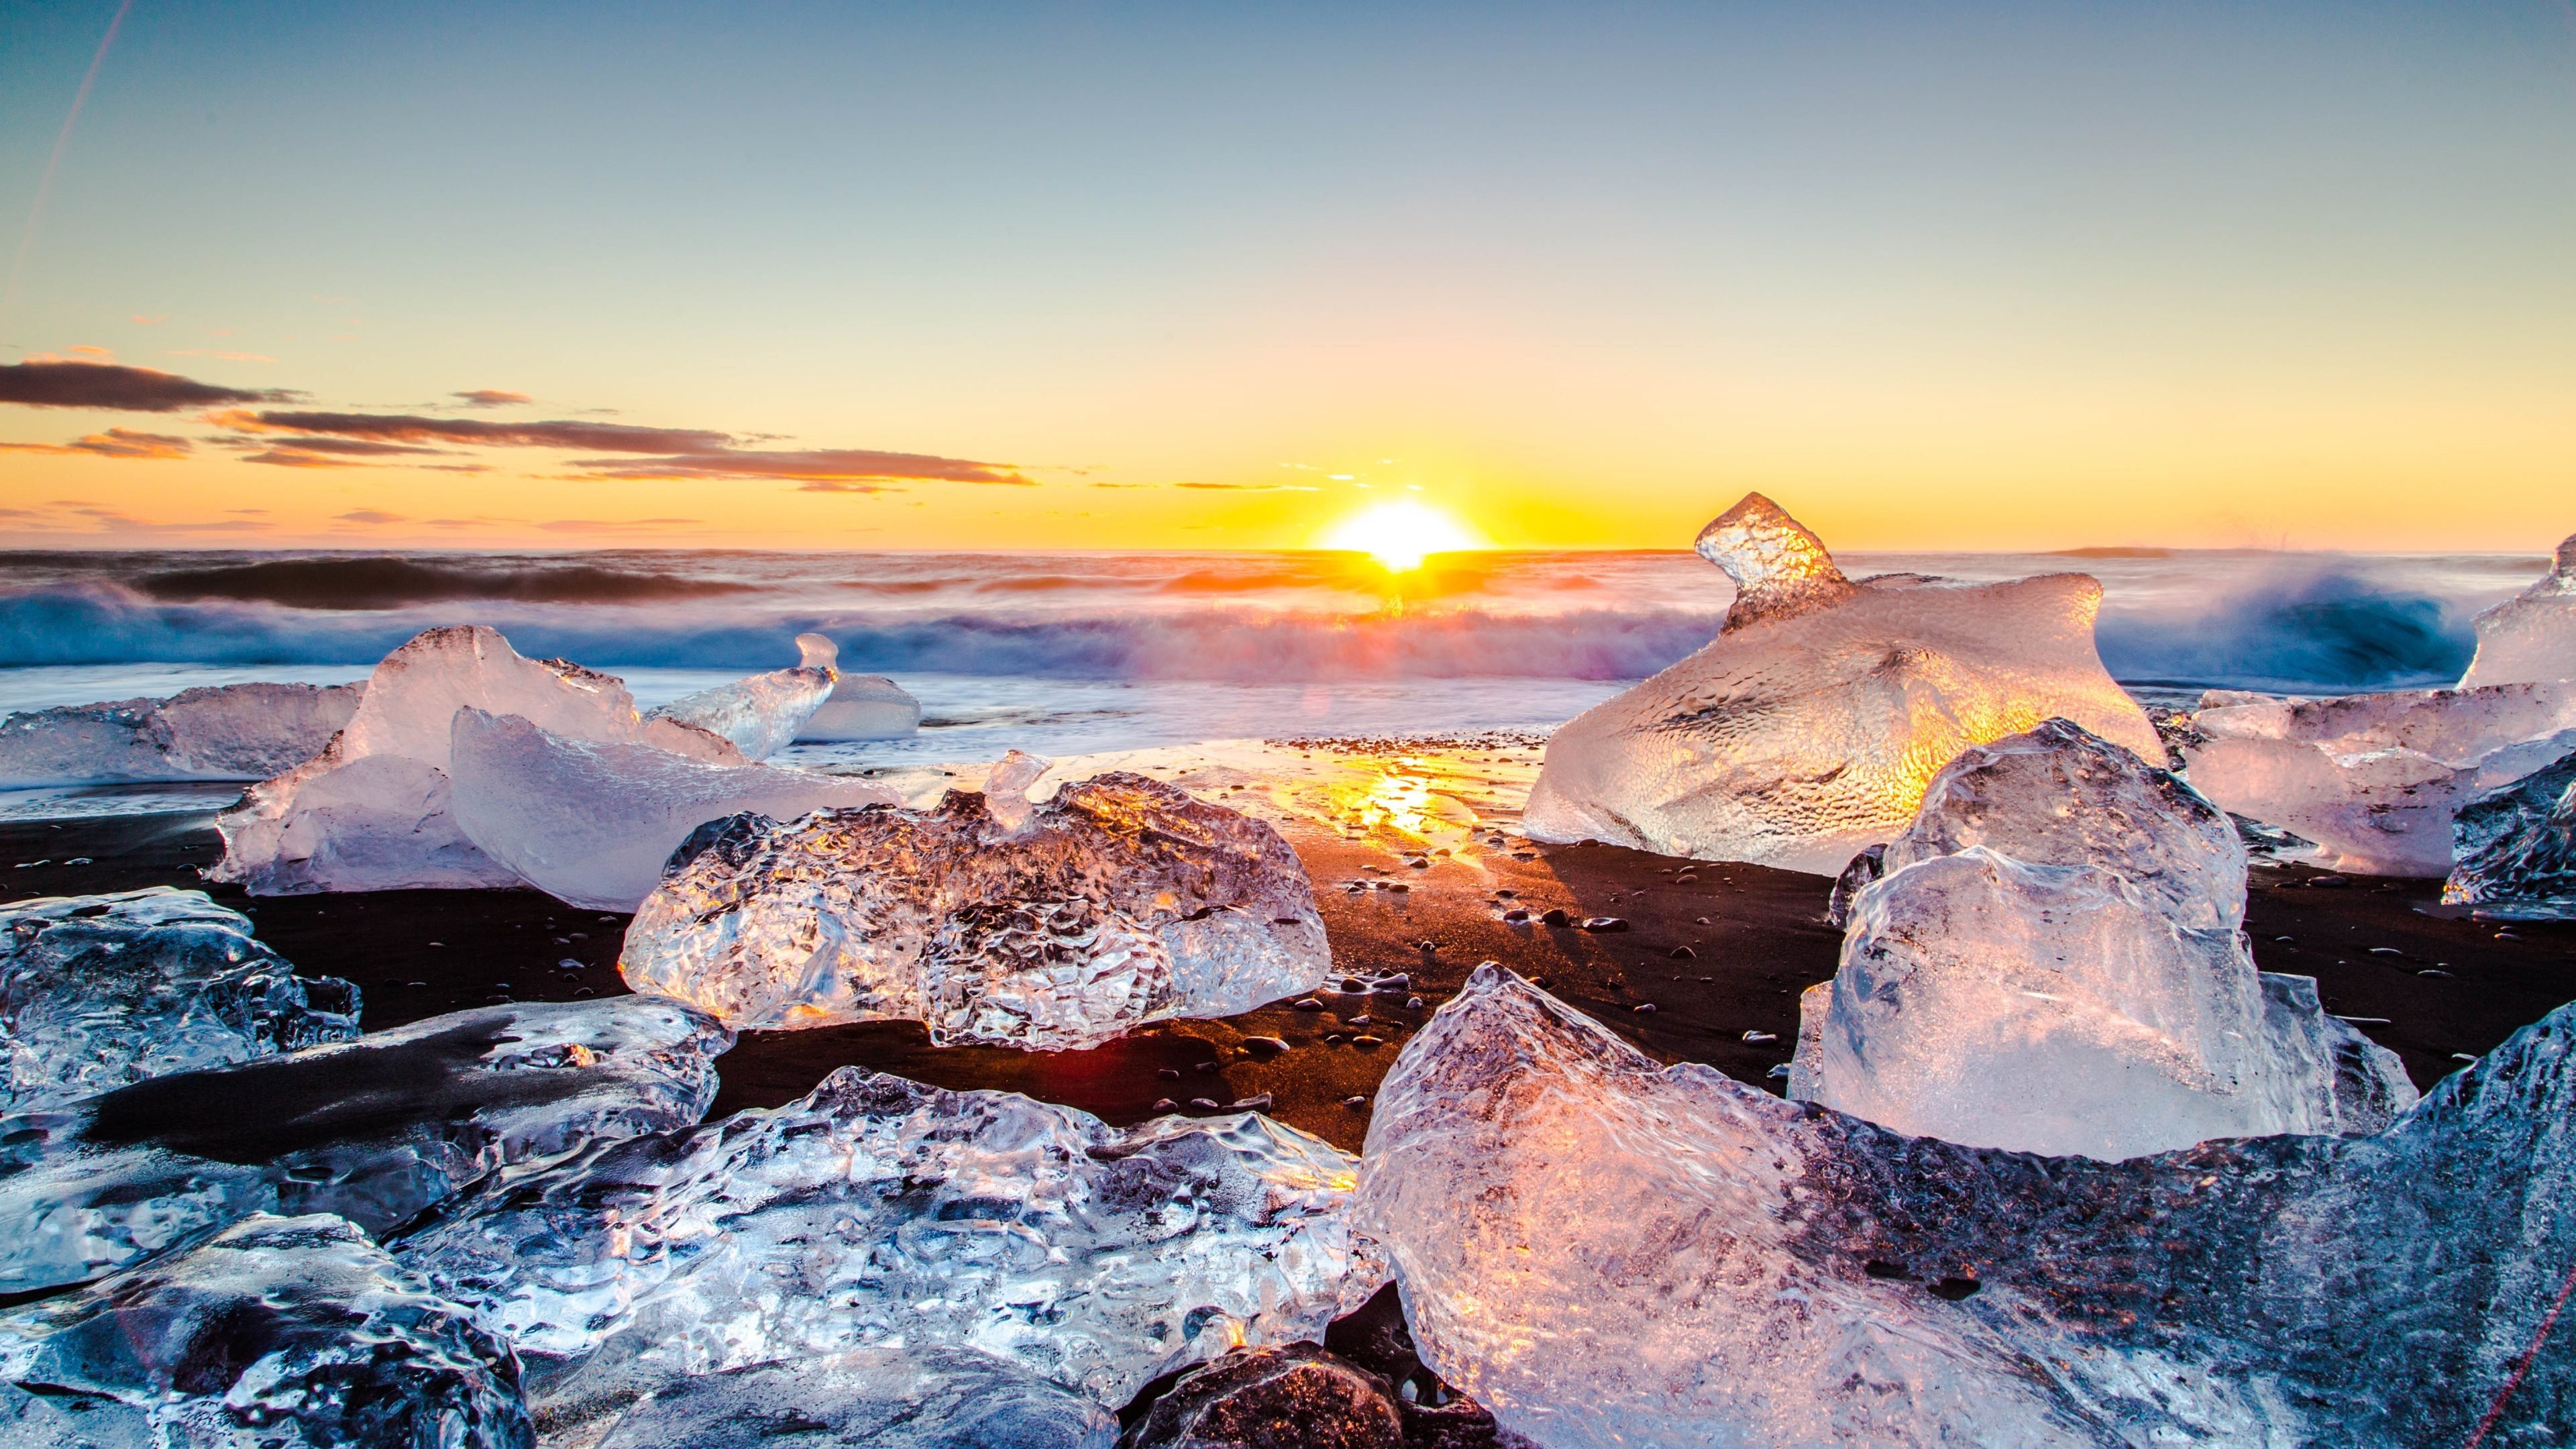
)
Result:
{"points": [[1606, 1251], [2516, 849], [1254, 1398], [762, 714], [233, 732], [590, 822], [100, 991], [1006, 788], [873, 1398], [1808, 728], [1122, 900], [374, 1129], [2530, 638], [864, 707], [278, 1333]]}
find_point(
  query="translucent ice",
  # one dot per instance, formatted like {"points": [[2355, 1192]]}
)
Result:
{"points": [[100, 991], [1607, 1251], [2516, 849], [278, 1333], [592, 821], [1006, 788], [874, 1398], [236, 732], [2530, 638], [1121, 901], [374, 1129], [762, 714], [1809, 727], [864, 707]]}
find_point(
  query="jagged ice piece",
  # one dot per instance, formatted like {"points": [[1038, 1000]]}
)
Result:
{"points": [[231, 732], [2516, 849], [764, 713], [864, 707], [2530, 638], [872, 1398]]}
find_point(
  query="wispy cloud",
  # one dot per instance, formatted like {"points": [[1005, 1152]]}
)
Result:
{"points": [[492, 397], [298, 458], [220, 355], [1250, 487], [615, 525], [403, 428], [114, 443], [371, 516], [140, 320], [828, 465], [63, 383]]}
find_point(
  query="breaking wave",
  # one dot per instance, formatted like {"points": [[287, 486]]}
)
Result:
{"points": [[2318, 632], [389, 583]]}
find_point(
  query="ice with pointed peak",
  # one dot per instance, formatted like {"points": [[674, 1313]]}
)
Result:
{"points": [[1006, 788], [864, 707], [869, 1398], [100, 991], [1120, 901], [591, 822], [2516, 849], [2530, 638], [230, 732], [763, 714], [277, 1333], [1604, 1250], [1808, 728], [375, 1129]]}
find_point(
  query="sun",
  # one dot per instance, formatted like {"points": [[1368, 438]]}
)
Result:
{"points": [[1399, 535]]}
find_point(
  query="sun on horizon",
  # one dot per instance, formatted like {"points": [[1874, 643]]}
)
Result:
{"points": [[1400, 535]]}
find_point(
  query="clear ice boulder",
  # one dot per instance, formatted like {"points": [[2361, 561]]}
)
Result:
{"points": [[763, 714], [230, 732], [2530, 638], [2515, 849]]}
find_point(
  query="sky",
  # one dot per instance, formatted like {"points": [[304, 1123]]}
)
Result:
{"points": [[1220, 275]]}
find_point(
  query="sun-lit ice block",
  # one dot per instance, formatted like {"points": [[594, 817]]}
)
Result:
{"points": [[1606, 1251], [1809, 727], [764, 713], [1120, 901], [100, 991], [2530, 638], [2516, 849], [232, 732], [864, 707], [278, 1333], [877, 1213], [591, 822], [371, 811], [375, 1129]]}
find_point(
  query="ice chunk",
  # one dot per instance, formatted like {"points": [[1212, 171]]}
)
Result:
{"points": [[864, 707], [1808, 728], [591, 821], [1257, 1397], [1607, 1251], [278, 1333], [1006, 788], [2530, 638], [880, 1213], [371, 812], [2375, 779], [235, 732], [762, 714], [2516, 848], [874, 1398], [374, 1129], [100, 991], [1121, 901]]}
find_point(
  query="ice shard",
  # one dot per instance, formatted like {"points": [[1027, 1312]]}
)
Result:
{"points": [[2530, 638], [278, 1333], [2516, 849], [1809, 727], [234, 732], [592, 821], [878, 1398], [864, 707], [371, 811], [877, 1213], [375, 1129], [764, 713], [1607, 1251], [1121, 901], [100, 991]]}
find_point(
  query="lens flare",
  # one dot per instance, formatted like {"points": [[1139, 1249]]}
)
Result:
{"points": [[1400, 535]]}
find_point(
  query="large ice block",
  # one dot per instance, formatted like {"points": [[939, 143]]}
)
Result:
{"points": [[1809, 727], [1606, 1251], [592, 821], [2516, 849], [762, 714], [864, 707], [1121, 901], [2530, 638], [278, 1333], [870, 1398], [375, 1129], [232, 732], [100, 991]]}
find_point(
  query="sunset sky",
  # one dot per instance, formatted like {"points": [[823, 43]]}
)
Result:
{"points": [[1189, 276]]}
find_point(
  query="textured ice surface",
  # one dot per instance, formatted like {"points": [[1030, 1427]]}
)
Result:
{"points": [[2516, 848], [864, 707], [879, 1213], [1809, 727], [278, 1333], [236, 732], [872, 1398], [100, 991], [1006, 788], [1122, 900], [371, 811], [1606, 1251], [762, 714], [374, 1129], [1254, 1398], [2531, 637], [592, 821], [2375, 779]]}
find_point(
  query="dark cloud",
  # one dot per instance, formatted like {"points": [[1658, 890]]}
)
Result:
{"points": [[492, 397], [346, 447], [399, 428], [371, 515], [828, 465], [49, 383], [114, 443]]}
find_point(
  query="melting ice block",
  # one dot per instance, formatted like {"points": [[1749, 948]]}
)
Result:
{"points": [[877, 1213], [1607, 1251], [100, 991], [762, 714], [1808, 728], [592, 821], [374, 1129], [371, 811], [2530, 638], [1121, 901], [235, 732], [2516, 847], [864, 1399], [864, 707], [279, 1333]]}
